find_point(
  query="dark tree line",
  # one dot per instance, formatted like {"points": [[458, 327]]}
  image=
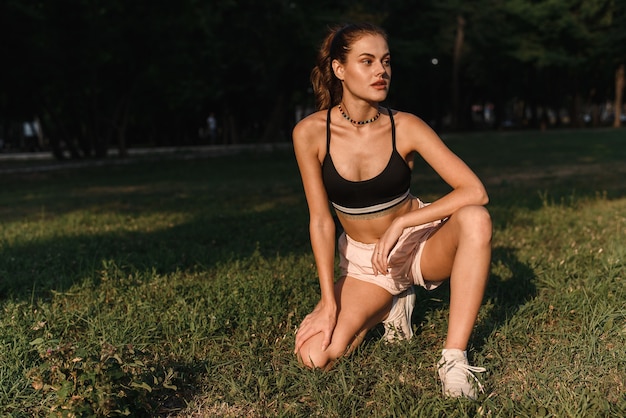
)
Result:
{"points": [[109, 73]]}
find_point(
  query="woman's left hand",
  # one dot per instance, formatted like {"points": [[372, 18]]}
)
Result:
{"points": [[383, 248]]}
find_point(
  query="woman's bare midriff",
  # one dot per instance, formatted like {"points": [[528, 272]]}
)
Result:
{"points": [[368, 229]]}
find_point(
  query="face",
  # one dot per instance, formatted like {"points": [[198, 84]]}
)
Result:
{"points": [[366, 73]]}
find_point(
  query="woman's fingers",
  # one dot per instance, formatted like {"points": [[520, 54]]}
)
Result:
{"points": [[301, 336], [379, 261], [312, 325]]}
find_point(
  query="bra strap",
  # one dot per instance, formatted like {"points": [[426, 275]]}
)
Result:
{"points": [[393, 129], [328, 131]]}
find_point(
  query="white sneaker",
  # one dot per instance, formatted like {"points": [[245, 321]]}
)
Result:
{"points": [[457, 376], [398, 322]]}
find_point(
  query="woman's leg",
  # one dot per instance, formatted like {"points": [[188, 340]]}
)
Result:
{"points": [[461, 250], [361, 305]]}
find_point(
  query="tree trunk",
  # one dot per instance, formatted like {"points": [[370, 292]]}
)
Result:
{"points": [[121, 123], [575, 113], [458, 47], [619, 96], [230, 131], [272, 131]]}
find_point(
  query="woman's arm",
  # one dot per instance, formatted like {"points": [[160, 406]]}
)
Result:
{"points": [[308, 140], [467, 189]]}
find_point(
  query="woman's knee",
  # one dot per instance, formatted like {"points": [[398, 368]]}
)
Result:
{"points": [[475, 222], [315, 358]]}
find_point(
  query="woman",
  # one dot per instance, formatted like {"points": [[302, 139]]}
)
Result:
{"points": [[359, 155]]}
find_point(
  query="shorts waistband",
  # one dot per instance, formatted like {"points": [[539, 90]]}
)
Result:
{"points": [[359, 244], [371, 246]]}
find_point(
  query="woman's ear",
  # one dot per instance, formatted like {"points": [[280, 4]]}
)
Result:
{"points": [[338, 69]]}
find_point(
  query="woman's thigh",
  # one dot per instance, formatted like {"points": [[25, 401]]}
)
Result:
{"points": [[471, 223], [361, 305], [438, 253]]}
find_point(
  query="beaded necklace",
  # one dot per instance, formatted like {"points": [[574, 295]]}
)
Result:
{"points": [[358, 122]]}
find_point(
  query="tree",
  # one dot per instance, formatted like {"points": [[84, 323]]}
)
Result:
{"points": [[116, 73], [557, 42], [613, 46]]}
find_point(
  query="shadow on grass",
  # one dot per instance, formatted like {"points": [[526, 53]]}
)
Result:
{"points": [[35, 269], [503, 298], [505, 295]]}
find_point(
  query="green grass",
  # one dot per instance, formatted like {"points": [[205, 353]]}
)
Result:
{"points": [[173, 287]]}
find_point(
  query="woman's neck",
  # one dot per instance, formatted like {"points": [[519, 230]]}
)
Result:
{"points": [[359, 113]]}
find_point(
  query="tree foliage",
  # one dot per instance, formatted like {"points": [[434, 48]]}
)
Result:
{"points": [[115, 73]]}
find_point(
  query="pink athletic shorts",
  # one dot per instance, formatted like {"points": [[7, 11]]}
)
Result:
{"points": [[404, 260]]}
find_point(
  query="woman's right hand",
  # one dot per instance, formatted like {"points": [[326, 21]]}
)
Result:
{"points": [[321, 320]]}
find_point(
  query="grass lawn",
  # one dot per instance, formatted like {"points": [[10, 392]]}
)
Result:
{"points": [[173, 288]]}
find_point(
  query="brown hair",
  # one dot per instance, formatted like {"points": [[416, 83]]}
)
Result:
{"points": [[326, 86]]}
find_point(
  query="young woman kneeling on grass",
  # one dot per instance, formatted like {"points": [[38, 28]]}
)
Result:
{"points": [[358, 155]]}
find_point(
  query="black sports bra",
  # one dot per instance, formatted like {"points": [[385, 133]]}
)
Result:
{"points": [[379, 193]]}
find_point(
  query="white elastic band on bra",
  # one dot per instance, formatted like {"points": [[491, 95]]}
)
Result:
{"points": [[371, 209]]}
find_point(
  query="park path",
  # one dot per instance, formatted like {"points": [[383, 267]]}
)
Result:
{"points": [[557, 171], [33, 162]]}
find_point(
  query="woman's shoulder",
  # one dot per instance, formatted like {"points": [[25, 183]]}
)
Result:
{"points": [[311, 127], [407, 118], [412, 132], [409, 122]]}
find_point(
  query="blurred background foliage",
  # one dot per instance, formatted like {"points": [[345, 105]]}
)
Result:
{"points": [[113, 74]]}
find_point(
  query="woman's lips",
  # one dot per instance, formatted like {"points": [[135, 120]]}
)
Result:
{"points": [[380, 85]]}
